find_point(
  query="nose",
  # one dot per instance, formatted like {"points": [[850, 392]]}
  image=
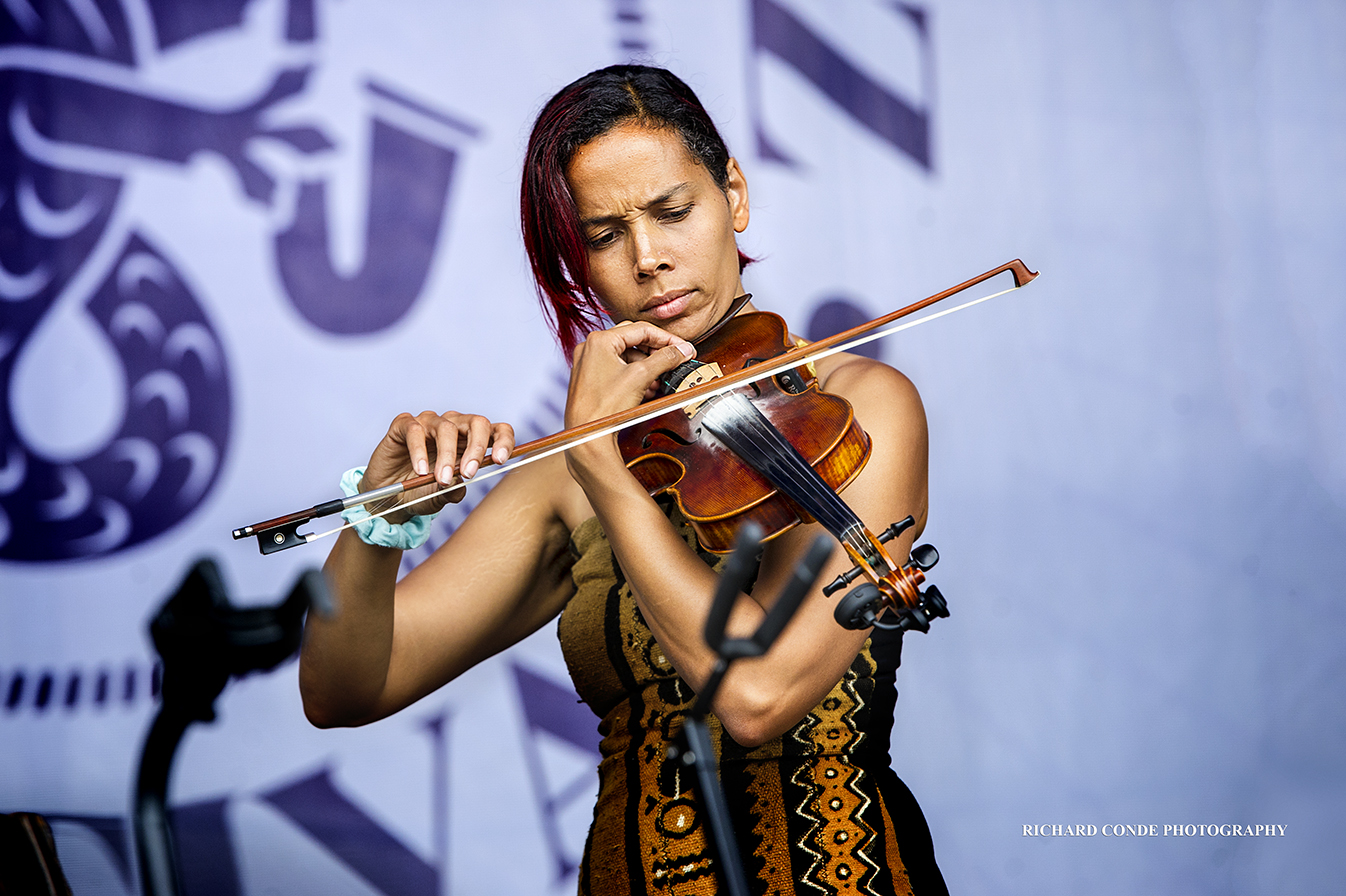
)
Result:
{"points": [[652, 255]]}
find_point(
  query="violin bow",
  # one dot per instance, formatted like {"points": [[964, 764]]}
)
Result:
{"points": [[281, 533]]}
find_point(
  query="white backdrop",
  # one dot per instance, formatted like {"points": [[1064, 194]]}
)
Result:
{"points": [[216, 294]]}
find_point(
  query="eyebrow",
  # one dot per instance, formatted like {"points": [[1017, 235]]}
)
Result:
{"points": [[658, 200]]}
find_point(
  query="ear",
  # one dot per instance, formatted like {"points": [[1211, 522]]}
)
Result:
{"points": [[736, 191]]}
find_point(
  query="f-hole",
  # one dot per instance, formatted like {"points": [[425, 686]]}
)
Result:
{"points": [[666, 433]]}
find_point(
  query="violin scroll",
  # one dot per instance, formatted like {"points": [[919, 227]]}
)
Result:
{"points": [[898, 589], [861, 608]]}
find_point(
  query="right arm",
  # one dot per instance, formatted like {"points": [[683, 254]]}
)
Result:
{"points": [[500, 577]]}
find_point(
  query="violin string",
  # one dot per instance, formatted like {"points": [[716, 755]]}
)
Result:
{"points": [[728, 421], [844, 522], [793, 475], [798, 474], [801, 473], [767, 369]]}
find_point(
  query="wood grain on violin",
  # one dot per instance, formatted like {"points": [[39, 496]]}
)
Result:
{"points": [[717, 487]]}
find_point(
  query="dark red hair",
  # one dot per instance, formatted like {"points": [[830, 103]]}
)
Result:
{"points": [[584, 111]]}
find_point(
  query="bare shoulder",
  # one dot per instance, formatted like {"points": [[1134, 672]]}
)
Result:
{"points": [[882, 395], [889, 409]]}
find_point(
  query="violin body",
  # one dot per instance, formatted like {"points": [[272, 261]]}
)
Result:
{"points": [[716, 488]]}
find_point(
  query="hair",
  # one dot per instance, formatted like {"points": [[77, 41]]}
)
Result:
{"points": [[579, 113]]}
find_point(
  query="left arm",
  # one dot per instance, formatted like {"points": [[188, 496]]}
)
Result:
{"points": [[764, 697]]}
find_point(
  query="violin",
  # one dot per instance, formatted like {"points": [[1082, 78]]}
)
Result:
{"points": [[774, 473], [776, 452]]}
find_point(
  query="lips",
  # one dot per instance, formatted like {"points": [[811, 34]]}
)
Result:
{"points": [[669, 304]]}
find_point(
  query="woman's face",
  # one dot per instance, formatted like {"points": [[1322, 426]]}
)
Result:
{"points": [[660, 232]]}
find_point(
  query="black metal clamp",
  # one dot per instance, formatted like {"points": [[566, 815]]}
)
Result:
{"points": [[204, 641], [693, 747]]}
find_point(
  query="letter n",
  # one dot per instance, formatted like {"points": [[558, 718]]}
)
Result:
{"points": [[315, 805], [778, 31], [114, 832], [203, 844], [550, 709], [206, 860]]}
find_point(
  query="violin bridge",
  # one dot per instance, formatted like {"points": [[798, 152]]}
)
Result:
{"points": [[702, 374]]}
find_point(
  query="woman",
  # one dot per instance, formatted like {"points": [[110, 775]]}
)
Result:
{"points": [[630, 206]]}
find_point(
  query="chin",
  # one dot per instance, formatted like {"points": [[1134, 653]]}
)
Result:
{"points": [[688, 328]]}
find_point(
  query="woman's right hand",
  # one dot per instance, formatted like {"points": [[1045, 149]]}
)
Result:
{"points": [[453, 445]]}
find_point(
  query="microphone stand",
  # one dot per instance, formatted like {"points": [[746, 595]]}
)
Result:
{"points": [[204, 641], [692, 747]]}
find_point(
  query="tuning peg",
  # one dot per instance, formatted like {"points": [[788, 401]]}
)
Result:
{"points": [[924, 556], [841, 581], [897, 529], [934, 604]]}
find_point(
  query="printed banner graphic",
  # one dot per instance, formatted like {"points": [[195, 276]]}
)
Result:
{"points": [[238, 237]]}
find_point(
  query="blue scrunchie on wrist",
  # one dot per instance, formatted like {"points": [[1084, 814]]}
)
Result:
{"points": [[377, 530]]}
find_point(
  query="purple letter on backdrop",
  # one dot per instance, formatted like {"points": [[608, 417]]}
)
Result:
{"points": [[409, 183], [778, 31]]}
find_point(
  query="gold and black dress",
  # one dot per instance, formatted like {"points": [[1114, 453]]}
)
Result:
{"points": [[816, 810]]}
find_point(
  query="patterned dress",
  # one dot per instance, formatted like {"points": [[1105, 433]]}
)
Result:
{"points": [[817, 810]]}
